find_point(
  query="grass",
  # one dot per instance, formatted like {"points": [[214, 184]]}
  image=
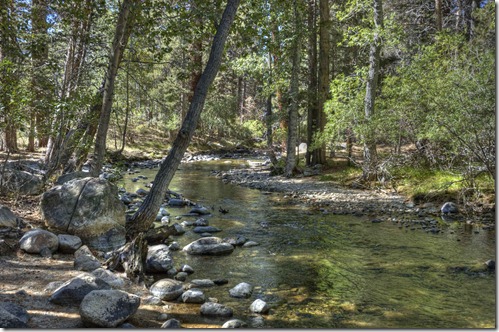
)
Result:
{"points": [[423, 184]]}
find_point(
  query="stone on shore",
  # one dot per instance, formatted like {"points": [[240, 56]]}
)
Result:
{"points": [[108, 308]]}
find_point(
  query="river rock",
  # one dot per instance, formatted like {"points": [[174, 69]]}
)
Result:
{"points": [[74, 290], [216, 309], [193, 295], [22, 182], [201, 210], [250, 244], [209, 246], [203, 283], [167, 289], [449, 207], [176, 202], [152, 300], [88, 208], [206, 229], [13, 316], [68, 244], [259, 306], [201, 222], [234, 324], [36, 240], [236, 241], [187, 269], [172, 324], [181, 276], [174, 246], [109, 277], [108, 308], [85, 260], [178, 229], [241, 290], [159, 259], [7, 218]]}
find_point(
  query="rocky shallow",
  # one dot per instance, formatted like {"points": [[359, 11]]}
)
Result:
{"points": [[378, 205]]}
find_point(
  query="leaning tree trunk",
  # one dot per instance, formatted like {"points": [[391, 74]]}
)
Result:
{"points": [[370, 154], [126, 18], [144, 217], [293, 108]]}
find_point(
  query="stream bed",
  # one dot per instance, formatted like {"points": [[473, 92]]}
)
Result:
{"points": [[320, 270]]}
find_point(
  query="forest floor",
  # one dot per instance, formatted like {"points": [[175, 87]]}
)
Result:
{"points": [[24, 277]]}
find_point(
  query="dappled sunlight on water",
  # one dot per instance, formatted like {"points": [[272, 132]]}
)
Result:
{"points": [[323, 270]]}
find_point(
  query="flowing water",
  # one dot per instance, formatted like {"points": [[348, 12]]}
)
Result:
{"points": [[329, 271]]}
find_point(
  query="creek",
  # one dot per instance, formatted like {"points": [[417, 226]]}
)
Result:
{"points": [[321, 270]]}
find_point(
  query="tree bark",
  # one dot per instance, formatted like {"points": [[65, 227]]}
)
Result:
{"points": [[40, 85], [9, 52], [61, 147], [319, 154], [126, 18], [293, 107], [370, 154], [312, 111], [144, 217], [438, 15]]}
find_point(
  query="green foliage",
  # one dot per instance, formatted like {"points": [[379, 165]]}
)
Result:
{"points": [[255, 127]]}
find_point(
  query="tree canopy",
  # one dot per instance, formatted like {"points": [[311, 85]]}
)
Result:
{"points": [[81, 77]]}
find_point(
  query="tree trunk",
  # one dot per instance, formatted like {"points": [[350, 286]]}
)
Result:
{"points": [[126, 18], [144, 217], [293, 107], [370, 154], [438, 15], [319, 154], [61, 147], [268, 120], [9, 52], [42, 91], [312, 111], [127, 111]]}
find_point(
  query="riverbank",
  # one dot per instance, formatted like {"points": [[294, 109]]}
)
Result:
{"points": [[26, 277], [330, 197]]}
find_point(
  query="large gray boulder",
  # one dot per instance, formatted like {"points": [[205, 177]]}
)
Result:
{"points": [[209, 246], [36, 240], [88, 208], [108, 308], [73, 291]]}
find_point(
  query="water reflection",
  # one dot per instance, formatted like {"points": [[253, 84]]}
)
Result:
{"points": [[333, 271]]}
